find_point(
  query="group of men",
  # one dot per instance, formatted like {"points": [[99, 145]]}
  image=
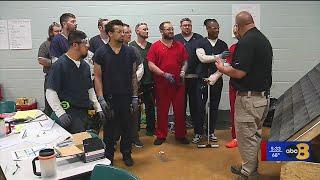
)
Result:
{"points": [[112, 75]]}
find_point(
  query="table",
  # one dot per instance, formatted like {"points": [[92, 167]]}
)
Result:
{"points": [[66, 166]]}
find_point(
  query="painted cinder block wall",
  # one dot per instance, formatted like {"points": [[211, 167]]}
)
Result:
{"points": [[292, 27]]}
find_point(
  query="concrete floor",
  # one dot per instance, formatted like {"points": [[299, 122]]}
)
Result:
{"points": [[187, 162]]}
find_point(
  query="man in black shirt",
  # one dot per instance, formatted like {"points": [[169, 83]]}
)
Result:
{"points": [[146, 83], [251, 76], [188, 39], [116, 87]]}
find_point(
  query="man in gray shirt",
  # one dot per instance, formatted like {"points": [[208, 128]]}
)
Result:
{"points": [[44, 59]]}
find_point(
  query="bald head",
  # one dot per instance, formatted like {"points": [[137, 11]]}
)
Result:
{"points": [[244, 18]]}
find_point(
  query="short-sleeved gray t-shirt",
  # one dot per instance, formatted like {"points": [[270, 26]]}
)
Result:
{"points": [[44, 51]]}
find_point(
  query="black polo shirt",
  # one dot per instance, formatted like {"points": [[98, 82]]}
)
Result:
{"points": [[191, 46], [206, 69], [253, 55], [116, 69], [95, 43], [70, 82]]}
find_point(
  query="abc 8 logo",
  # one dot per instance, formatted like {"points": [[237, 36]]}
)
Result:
{"points": [[299, 151]]}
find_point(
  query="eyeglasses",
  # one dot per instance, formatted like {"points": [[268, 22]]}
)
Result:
{"points": [[186, 25]]}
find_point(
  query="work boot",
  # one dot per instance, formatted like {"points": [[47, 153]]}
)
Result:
{"points": [[159, 141], [149, 133], [127, 159], [137, 143], [183, 140]]}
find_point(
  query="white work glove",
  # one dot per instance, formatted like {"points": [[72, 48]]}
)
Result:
{"points": [[182, 73], [214, 77]]}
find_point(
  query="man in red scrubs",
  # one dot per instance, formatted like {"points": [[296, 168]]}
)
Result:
{"points": [[167, 60]]}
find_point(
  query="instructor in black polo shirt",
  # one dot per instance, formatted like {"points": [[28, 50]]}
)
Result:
{"points": [[251, 76]]}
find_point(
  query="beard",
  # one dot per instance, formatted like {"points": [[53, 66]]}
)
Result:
{"points": [[84, 56], [70, 29], [186, 33], [144, 36], [120, 40], [168, 37]]}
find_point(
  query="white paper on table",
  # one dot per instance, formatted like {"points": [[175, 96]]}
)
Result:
{"points": [[19, 31], [4, 43], [37, 126], [27, 153], [5, 143], [253, 9], [41, 137]]}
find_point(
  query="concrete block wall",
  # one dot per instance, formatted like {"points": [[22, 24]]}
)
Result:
{"points": [[292, 28]]}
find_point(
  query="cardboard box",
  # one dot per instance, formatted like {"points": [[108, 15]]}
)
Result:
{"points": [[25, 101], [77, 147]]}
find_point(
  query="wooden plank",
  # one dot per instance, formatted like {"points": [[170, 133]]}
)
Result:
{"points": [[307, 133], [300, 170]]}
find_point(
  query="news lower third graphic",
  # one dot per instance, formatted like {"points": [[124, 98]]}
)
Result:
{"points": [[285, 151]]}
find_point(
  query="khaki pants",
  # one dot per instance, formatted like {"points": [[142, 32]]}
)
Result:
{"points": [[250, 113]]}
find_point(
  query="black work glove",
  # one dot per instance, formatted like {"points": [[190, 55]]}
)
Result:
{"points": [[106, 107], [101, 117], [65, 120]]}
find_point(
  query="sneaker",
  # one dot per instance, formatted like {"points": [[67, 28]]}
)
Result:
{"points": [[196, 139], [149, 133], [189, 124], [183, 140], [137, 143], [171, 127], [127, 159], [213, 138], [232, 144], [237, 170], [158, 141]]}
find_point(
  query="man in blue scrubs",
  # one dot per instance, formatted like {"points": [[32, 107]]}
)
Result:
{"points": [[59, 44], [116, 87], [70, 91]]}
